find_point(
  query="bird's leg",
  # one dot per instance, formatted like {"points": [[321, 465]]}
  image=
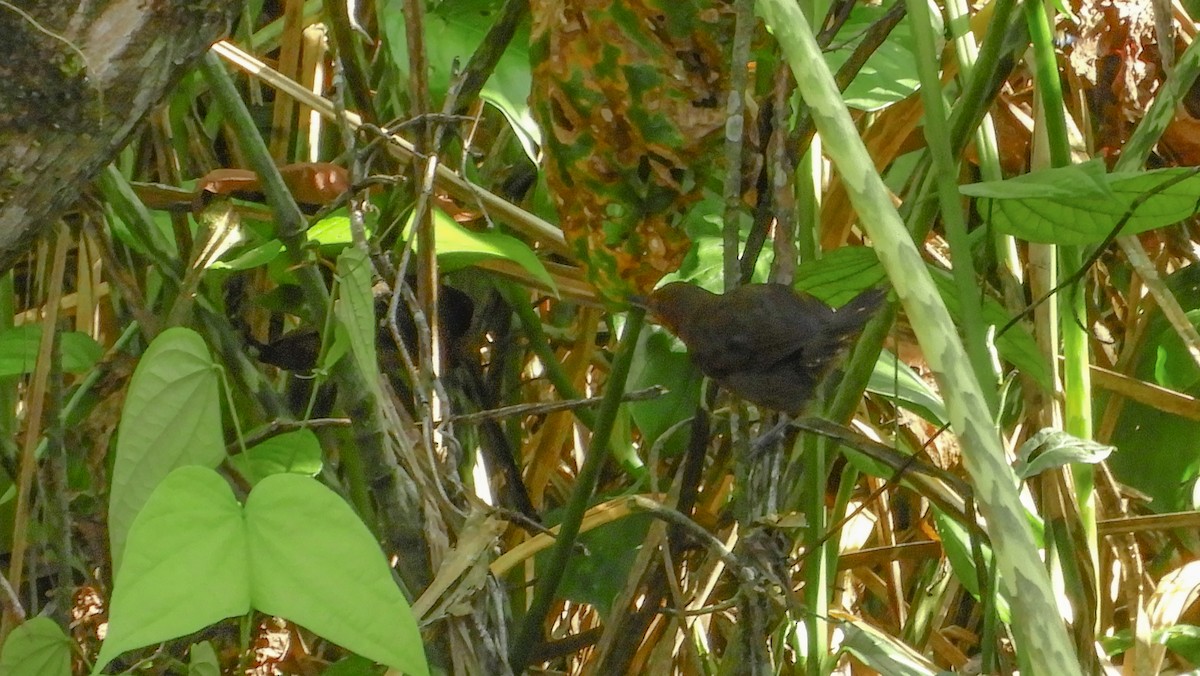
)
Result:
{"points": [[705, 384], [769, 439]]}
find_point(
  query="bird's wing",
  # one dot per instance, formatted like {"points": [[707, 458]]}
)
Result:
{"points": [[722, 347], [767, 325]]}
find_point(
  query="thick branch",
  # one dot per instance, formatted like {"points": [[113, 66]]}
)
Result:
{"points": [[78, 80]]}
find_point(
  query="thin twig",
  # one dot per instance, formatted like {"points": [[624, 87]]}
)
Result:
{"points": [[10, 601], [33, 422], [278, 427], [1099, 251], [551, 407]]}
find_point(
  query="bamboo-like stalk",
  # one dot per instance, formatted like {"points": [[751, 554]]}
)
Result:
{"points": [[1022, 577], [945, 174]]}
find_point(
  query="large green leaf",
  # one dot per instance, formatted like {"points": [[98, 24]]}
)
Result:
{"points": [[597, 573], [314, 562], [19, 349], [172, 418], [1158, 453], [37, 647], [956, 542], [334, 229], [186, 564], [840, 275], [295, 550], [1081, 204], [1016, 345]]}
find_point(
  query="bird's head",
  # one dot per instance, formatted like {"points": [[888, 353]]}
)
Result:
{"points": [[675, 304]]}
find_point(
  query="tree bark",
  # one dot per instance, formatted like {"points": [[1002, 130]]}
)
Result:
{"points": [[78, 79]]}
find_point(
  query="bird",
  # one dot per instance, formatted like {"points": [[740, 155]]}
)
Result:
{"points": [[766, 343]]}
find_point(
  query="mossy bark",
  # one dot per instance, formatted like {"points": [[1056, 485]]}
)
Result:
{"points": [[79, 78]]}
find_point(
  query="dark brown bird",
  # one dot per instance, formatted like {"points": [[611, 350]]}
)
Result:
{"points": [[767, 343]]}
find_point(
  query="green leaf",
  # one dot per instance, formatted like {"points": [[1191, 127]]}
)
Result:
{"points": [[296, 452], [172, 418], [334, 229], [1087, 179], [203, 660], [661, 359], [896, 381], [843, 273], [118, 222], [1174, 366], [840, 275], [353, 665], [1181, 639], [1050, 448], [355, 312], [315, 563], [956, 542], [295, 550], [459, 247], [598, 573], [260, 255], [883, 652], [37, 647], [1016, 345], [19, 349], [339, 347], [186, 564], [453, 30], [1081, 204], [889, 75]]}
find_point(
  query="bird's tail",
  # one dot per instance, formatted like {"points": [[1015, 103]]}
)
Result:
{"points": [[853, 316]]}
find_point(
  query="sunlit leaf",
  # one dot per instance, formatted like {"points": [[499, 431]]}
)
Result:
{"points": [[956, 542], [186, 564], [172, 418], [297, 452], [883, 652], [252, 258], [890, 73], [840, 275], [896, 380], [1081, 204], [453, 30], [297, 550], [1049, 448], [459, 247], [315, 563], [661, 359]]}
